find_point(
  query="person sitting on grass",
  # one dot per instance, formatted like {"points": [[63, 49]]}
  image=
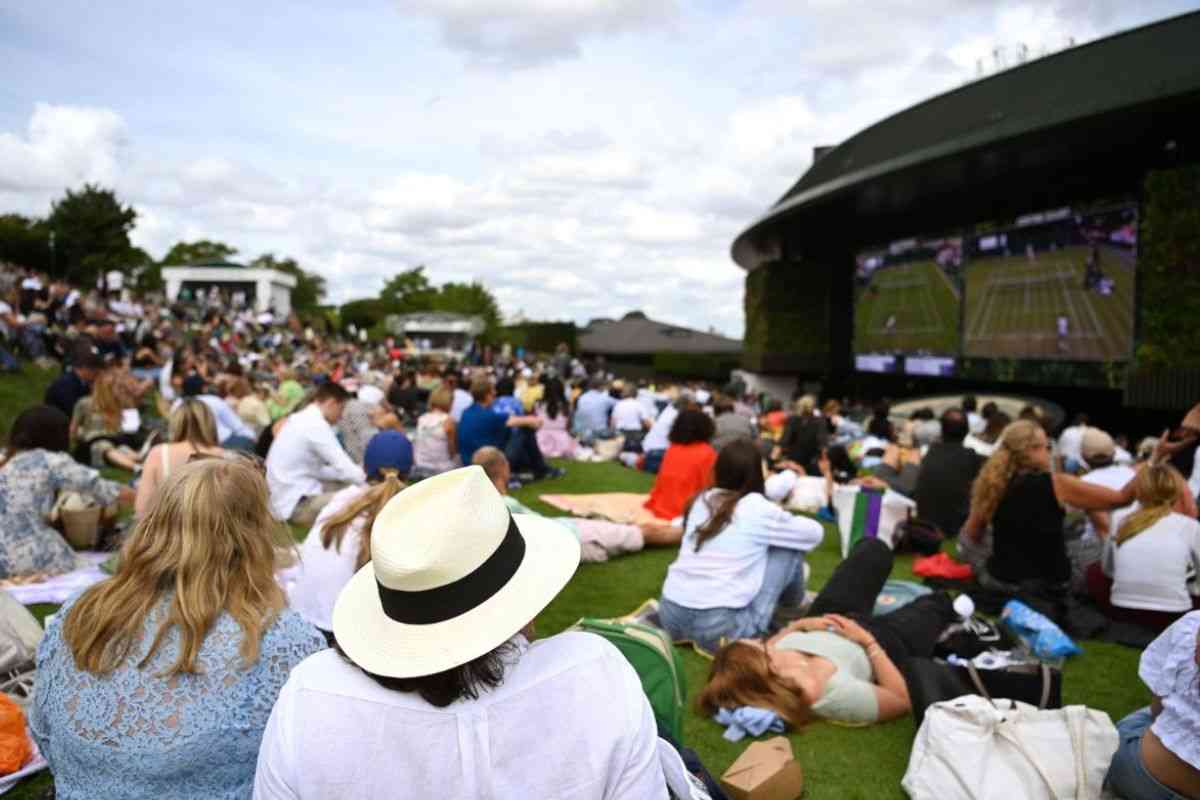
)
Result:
{"points": [[158, 682], [191, 429], [436, 439], [435, 663], [1147, 563], [554, 437], [840, 663], [306, 465], [36, 469], [1024, 503], [741, 556], [339, 542], [1158, 757], [97, 425], [598, 538], [687, 466], [482, 426]]}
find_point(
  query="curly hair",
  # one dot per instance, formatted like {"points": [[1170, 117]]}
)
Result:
{"points": [[692, 426], [1010, 459]]}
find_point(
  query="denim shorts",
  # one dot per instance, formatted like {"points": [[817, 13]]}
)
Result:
{"points": [[1128, 776]]}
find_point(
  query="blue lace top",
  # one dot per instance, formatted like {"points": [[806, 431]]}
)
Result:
{"points": [[134, 734]]}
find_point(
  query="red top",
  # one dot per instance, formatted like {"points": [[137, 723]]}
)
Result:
{"points": [[686, 470]]}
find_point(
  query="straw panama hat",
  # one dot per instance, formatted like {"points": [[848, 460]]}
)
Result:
{"points": [[452, 576]]}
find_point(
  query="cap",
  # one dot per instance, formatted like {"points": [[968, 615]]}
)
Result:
{"points": [[85, 355], [1096, 444], [388, 450], [779, 486]]}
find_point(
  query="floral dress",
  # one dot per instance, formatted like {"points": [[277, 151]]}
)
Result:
{"points": [[29, 484], [135, 733]]}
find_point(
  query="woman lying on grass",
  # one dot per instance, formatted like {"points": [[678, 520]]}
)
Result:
{"points": [[841, 663]]}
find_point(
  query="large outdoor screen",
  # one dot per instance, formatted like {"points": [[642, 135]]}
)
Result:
{"points": [[907, 298], [1053, 285]]}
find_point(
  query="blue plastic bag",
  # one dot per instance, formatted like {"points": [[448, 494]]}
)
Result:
{"points": [[1037, 631]]}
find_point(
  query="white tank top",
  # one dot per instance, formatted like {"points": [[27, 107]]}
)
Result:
{"points": [[431, 450]]}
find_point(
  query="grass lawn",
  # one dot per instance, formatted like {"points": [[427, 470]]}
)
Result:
{"points": [[838, 762]]}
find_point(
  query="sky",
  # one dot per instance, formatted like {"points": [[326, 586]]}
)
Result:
{"points": [[582, 158]]}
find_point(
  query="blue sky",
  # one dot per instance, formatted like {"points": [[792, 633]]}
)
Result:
{"points": [[582, 158]]}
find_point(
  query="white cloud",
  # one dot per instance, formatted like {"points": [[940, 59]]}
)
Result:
{"points": [[63, 145], [522, 33]]}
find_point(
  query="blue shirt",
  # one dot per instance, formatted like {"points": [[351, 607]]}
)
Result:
{"points": [[508, 405], [592, 410], [481, 426], [132, 733]]}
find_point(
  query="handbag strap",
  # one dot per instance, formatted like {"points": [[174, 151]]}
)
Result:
{"points": [[1043, 670], [978, 681]]}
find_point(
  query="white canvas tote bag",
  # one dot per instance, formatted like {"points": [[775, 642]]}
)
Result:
{"points": [[974, 749]]}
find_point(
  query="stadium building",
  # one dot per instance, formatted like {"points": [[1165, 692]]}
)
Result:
{"points": [[1034, 231]]}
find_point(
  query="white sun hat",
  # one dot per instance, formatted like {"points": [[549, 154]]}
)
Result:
{"points": [[452, 576]]}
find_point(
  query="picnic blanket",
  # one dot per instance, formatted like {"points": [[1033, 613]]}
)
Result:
{"points": [[57, 588], [624, 507]]}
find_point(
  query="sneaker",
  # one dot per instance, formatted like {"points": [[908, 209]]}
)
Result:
{"points": [[555, 472], [514, 484]]}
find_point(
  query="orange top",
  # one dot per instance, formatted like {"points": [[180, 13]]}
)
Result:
{"points": [[687, 469]]}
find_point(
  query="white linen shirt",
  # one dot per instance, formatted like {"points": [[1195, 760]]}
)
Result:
{"points": [[1168, 668], [1150, 571], [728, 571], [570, 720], [321, 574], [1113, 477], [305, 453]]}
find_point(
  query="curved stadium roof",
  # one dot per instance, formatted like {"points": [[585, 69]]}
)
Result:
{"points": [[1126, 78]]}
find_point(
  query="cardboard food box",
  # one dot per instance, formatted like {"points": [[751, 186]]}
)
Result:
{"points": [[765, 771]]}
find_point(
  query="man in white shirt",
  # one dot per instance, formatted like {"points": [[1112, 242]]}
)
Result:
{"points": [[975, 423], [629, 419], [307, 466], [460, 400], [657, 440], [438, 690]]}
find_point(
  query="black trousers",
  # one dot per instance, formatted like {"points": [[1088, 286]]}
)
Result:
{"points": [[523, 453], [909, 631]]}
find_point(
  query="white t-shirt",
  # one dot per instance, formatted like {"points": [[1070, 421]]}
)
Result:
{"points": [[1113, 477], [460, 403], [321, 574], [1150, 571], [1168, 668], [727, 572], [657, 439], [570, 719], [627, 415]]}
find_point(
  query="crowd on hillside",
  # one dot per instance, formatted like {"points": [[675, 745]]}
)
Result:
{"points": [[219, 660]]}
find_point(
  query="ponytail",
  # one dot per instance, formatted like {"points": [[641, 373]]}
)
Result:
{"points": [[1156, 489], [367, 506]]}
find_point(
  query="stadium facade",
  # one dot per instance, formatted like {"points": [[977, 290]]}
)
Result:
{"points": [[1107, 122]]}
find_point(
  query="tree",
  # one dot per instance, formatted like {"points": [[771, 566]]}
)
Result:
{"points": [[310, 287], [363, 314], [91, 230], [408, 291], [201, 252], [25, 242], [471, 298]]}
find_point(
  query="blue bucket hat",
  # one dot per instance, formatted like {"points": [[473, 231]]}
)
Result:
{"points": [[388, 450]]}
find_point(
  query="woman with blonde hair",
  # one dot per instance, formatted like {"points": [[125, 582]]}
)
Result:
{"points": [[339, 542], [191, 429], [97, 423], [1024, 503], [158, 682], [1143, 574], [436, 445], [841, 663]]}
